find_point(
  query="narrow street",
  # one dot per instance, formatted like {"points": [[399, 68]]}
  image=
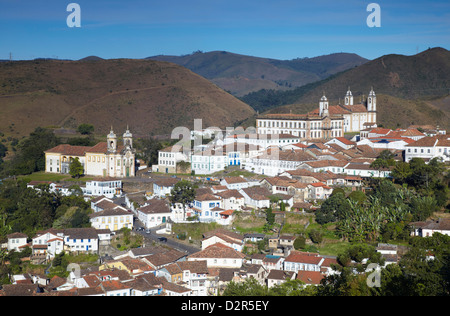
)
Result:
{"points": [[164, 240]]}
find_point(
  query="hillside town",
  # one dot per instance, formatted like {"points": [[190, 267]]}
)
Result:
{"points": [[290, 164]]}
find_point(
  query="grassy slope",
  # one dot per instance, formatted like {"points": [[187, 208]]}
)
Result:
{"points": [[152, 97]]}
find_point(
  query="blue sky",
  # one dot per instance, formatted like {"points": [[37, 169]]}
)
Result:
{"points": [[283, 29]]}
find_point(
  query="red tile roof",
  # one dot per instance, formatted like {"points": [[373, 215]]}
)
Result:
{"points": [[218, 250], [310, 277], [304, 257], [69, 150], [345, 141]]}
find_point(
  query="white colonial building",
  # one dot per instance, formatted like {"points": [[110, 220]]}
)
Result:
{"points": [[103, 187], [16, 241], [156, 212], [275, 161], [169, 157], [208, 161], [326, 122], [47, 244], [428, 148]]}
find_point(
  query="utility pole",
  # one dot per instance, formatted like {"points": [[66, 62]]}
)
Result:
{"points": [[10, 57]]}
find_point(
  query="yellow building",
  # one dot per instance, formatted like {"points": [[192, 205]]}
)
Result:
{"points": [[106, 159]]}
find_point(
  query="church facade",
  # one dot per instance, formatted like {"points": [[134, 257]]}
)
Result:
{"points": [[326, 122], [106, 159]]}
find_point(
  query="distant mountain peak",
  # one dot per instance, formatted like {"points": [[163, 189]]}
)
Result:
{"points": [[241, 74], [91, 58]]}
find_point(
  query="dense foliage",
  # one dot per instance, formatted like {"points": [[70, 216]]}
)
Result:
{"points": [[384, 212], [28, 210], [29, 154], [183, 192], [85, 129], [423, 271]]}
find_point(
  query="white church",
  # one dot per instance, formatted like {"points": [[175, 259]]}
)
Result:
{"points": [[106, 159], [325, 122]]}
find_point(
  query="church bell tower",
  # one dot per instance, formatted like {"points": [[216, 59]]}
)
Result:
{"points": [[128, 139], [111, 139], [349, 97], [372, 106], [323, 106]]}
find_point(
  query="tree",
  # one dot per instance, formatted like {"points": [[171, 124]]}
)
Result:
{"points": [[357, 196], [270, 219], [183, 192], [251, 287], [364, 222], [425, 176], [85, 129], [316, 236], [30, 155], [3, 150], [290, 288], [149, 148], [384, 160], [423, 207], [76, 169], [332, 209], [76, 190], [401, 172], [299, 243]]}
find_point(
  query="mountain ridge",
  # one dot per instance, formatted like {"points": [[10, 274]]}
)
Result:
{"points": [[240, 74], [416, 87]]}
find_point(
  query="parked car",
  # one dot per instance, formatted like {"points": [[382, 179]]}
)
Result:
{"points": [[162, 239]]}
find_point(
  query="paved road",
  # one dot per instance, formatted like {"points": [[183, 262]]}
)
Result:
{"points": [[171, 242]]}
